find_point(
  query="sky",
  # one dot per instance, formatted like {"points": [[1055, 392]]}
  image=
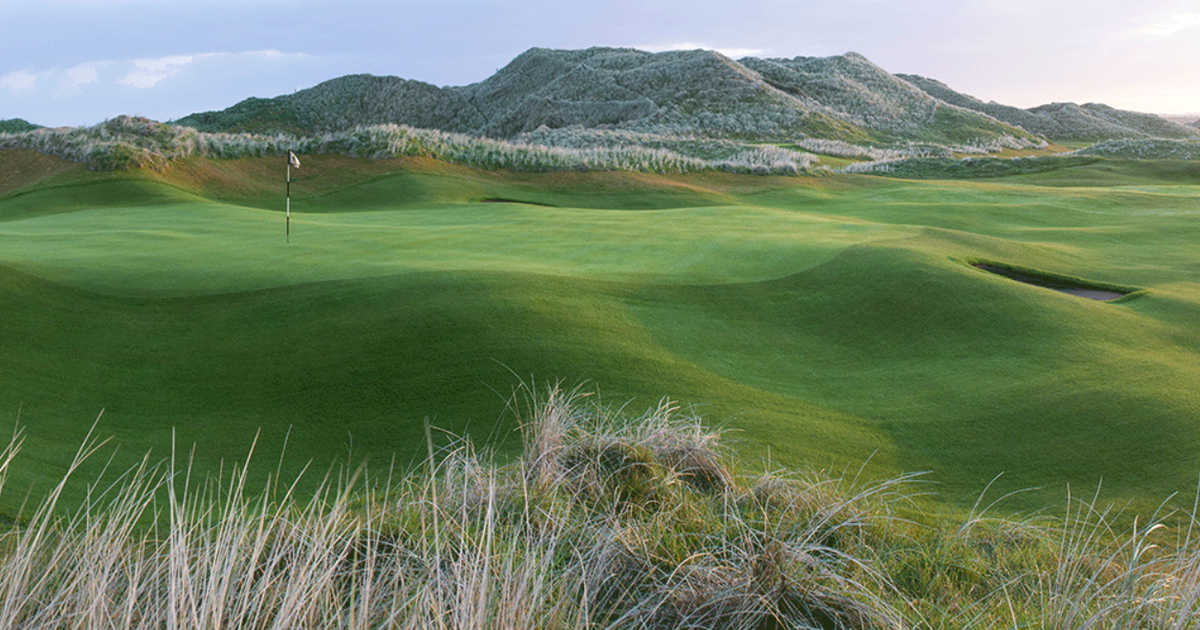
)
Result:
{"points": [[80, 62]]}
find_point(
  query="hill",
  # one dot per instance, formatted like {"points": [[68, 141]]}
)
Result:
{"points": [[1063, 122], [17, 125], [695, 92]]}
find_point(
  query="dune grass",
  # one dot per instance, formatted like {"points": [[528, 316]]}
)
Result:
{"points": [[603, 520], [830, 321]]}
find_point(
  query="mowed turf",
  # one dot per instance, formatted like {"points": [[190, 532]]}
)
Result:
{"points": [[828, 322]]}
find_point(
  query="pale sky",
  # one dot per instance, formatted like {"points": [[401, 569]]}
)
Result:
{"points": [[79, 62]]}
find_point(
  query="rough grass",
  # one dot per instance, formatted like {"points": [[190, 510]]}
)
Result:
{"points": [[1155, 149], [603, 521], [125, 143]]}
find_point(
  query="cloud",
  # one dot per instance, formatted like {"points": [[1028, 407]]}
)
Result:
{"points": [[82, 74], [75, 78], [732, 53], [88, 90], [1171, 25], [148, 72], [21, 81]]}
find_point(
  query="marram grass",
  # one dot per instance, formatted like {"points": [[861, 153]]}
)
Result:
{"points": [[127, 142], [602, 522]]}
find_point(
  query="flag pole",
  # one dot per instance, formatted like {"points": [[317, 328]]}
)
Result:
{"points": [[288, 212], [292, 161]]}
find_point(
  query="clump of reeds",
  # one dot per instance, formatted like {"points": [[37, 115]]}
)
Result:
{"points": [[603, 522]]}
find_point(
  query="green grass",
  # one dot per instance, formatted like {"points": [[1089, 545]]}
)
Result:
{"points": [[827, 321]]}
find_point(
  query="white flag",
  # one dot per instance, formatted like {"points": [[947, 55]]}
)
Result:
{"points": [[293, 160]]}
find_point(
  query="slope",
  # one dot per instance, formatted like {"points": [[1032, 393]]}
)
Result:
{"points": [[20, 168]]}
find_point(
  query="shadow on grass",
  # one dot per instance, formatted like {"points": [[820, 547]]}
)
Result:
{"points": [[1065, 284]]}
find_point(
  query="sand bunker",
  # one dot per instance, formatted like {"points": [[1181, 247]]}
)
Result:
{"points": [[1102, 294], [506, 200]]}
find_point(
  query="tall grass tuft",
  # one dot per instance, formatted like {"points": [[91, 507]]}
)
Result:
{"points": [[604, 521]]}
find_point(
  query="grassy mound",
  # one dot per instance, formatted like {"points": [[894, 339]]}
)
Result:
{"points": [[601, 522], [17, 125], [20, 168]]}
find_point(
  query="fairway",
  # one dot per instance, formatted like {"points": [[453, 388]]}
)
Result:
{"points": [[827, 322]]}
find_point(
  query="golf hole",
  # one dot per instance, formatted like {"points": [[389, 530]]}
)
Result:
{"points": [[1080, 289]]}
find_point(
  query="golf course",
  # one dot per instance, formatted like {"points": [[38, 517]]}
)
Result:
{"points": [[829, 322]]}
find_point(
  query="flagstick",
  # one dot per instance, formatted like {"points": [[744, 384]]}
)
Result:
{"points": [[288, 219]]}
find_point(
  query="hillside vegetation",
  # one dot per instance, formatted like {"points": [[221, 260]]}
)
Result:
{"points": [[138, 143], [692, 93], [1158, 149], [16, 125], [622, 109], [1063, 122]]}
